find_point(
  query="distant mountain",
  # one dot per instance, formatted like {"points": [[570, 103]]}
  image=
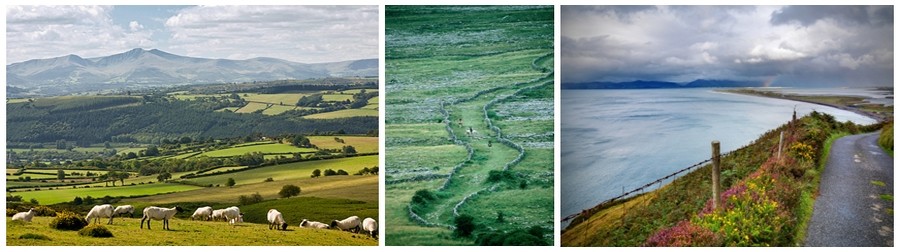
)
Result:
{"points": [[640, 84], [143, 68]]}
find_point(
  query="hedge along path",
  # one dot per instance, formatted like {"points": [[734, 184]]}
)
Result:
{"points": [[462, 179]]}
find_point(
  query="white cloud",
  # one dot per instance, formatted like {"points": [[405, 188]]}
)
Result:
{"points": [[298, 33], [53, 31], [135, 26]]}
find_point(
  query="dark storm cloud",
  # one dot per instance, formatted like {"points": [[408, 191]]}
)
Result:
{"points": [[807, 15], [843, 45]]}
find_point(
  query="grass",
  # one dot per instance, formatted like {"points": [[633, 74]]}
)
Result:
{"points": [[322, 210], [287, 99], [278, 109], [262, 148], [48, 197], [448, 53], [362, 188], [343, 114], [290, 171], [886, 138], [362, 144], [127, 232], [337, 97], [252, 107]]}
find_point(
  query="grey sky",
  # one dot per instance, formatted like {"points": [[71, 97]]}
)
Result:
{"points": [[784, 46], [307, 34]]}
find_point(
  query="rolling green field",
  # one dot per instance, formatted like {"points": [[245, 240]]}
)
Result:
{"points": [[278, 109], [277, 99], [343, 113], [469, 118], [291, 170], [362, 144], [263, 148], [63, 195], [252, 107], [127, 232]]}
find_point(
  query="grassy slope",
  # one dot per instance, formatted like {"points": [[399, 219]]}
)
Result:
{"points": [[127, 231], [632, 221], [343, 113], [56, 196], [263, 148], [290, 170], [454, 58], [361, 144]]}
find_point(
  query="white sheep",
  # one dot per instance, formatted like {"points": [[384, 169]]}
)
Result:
{"points": [[276, 219], [371, 226], [124, 209], [218, 214], [202, 213], [233, 215], [159, 213], [24, 216], [100, 211], [313, 224], [350, 224]]}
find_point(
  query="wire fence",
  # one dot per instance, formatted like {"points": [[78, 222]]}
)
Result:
{"points": [[641, 189]]}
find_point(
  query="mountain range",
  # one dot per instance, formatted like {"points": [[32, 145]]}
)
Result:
{"points": [[144, 68], [641, 84]]}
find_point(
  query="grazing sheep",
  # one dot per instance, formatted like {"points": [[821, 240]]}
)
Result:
{"points": [[369, 225], [24, 216], [159, 213], [313, 224], [124, 209], [233, 215], [203, 212], [218, 214], [350, 224], [276, 219], [100, 211]]}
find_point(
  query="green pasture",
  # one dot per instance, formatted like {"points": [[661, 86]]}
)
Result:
{"points": [[252, 107], [46, 196], [360, 143], [362, 188], [290, 170], [263, 148], [343, 113], [127, 232]]}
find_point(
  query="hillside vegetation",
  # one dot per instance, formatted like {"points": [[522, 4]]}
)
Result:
{"points": [[469, 125], [767, 200]]}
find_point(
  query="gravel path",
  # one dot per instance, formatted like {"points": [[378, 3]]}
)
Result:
{"points": [[849, 210]]}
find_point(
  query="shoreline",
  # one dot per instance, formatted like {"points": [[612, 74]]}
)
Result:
{"points": [[790, 97]]}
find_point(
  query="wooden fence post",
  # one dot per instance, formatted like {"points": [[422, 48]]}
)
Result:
{"points": [[716, 172]]}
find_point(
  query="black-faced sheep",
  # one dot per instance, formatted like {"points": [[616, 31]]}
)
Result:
{"points": [[276, 220], [370, 226], [349, 224], [313, 224]]}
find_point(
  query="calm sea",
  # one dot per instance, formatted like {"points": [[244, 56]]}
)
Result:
{"points": [[615, 139]]}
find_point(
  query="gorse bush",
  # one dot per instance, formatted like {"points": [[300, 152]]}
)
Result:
{"points": [[95, 231], [44, 211], [68, 221]]}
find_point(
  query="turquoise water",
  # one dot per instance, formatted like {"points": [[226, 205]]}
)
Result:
{"points": [[615, 139]]}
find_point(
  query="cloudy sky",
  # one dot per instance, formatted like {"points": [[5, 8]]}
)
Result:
{"points": [[306, 34], [784, 46]]}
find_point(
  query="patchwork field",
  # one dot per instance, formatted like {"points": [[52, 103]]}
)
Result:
{"points": [[469, 125]]}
